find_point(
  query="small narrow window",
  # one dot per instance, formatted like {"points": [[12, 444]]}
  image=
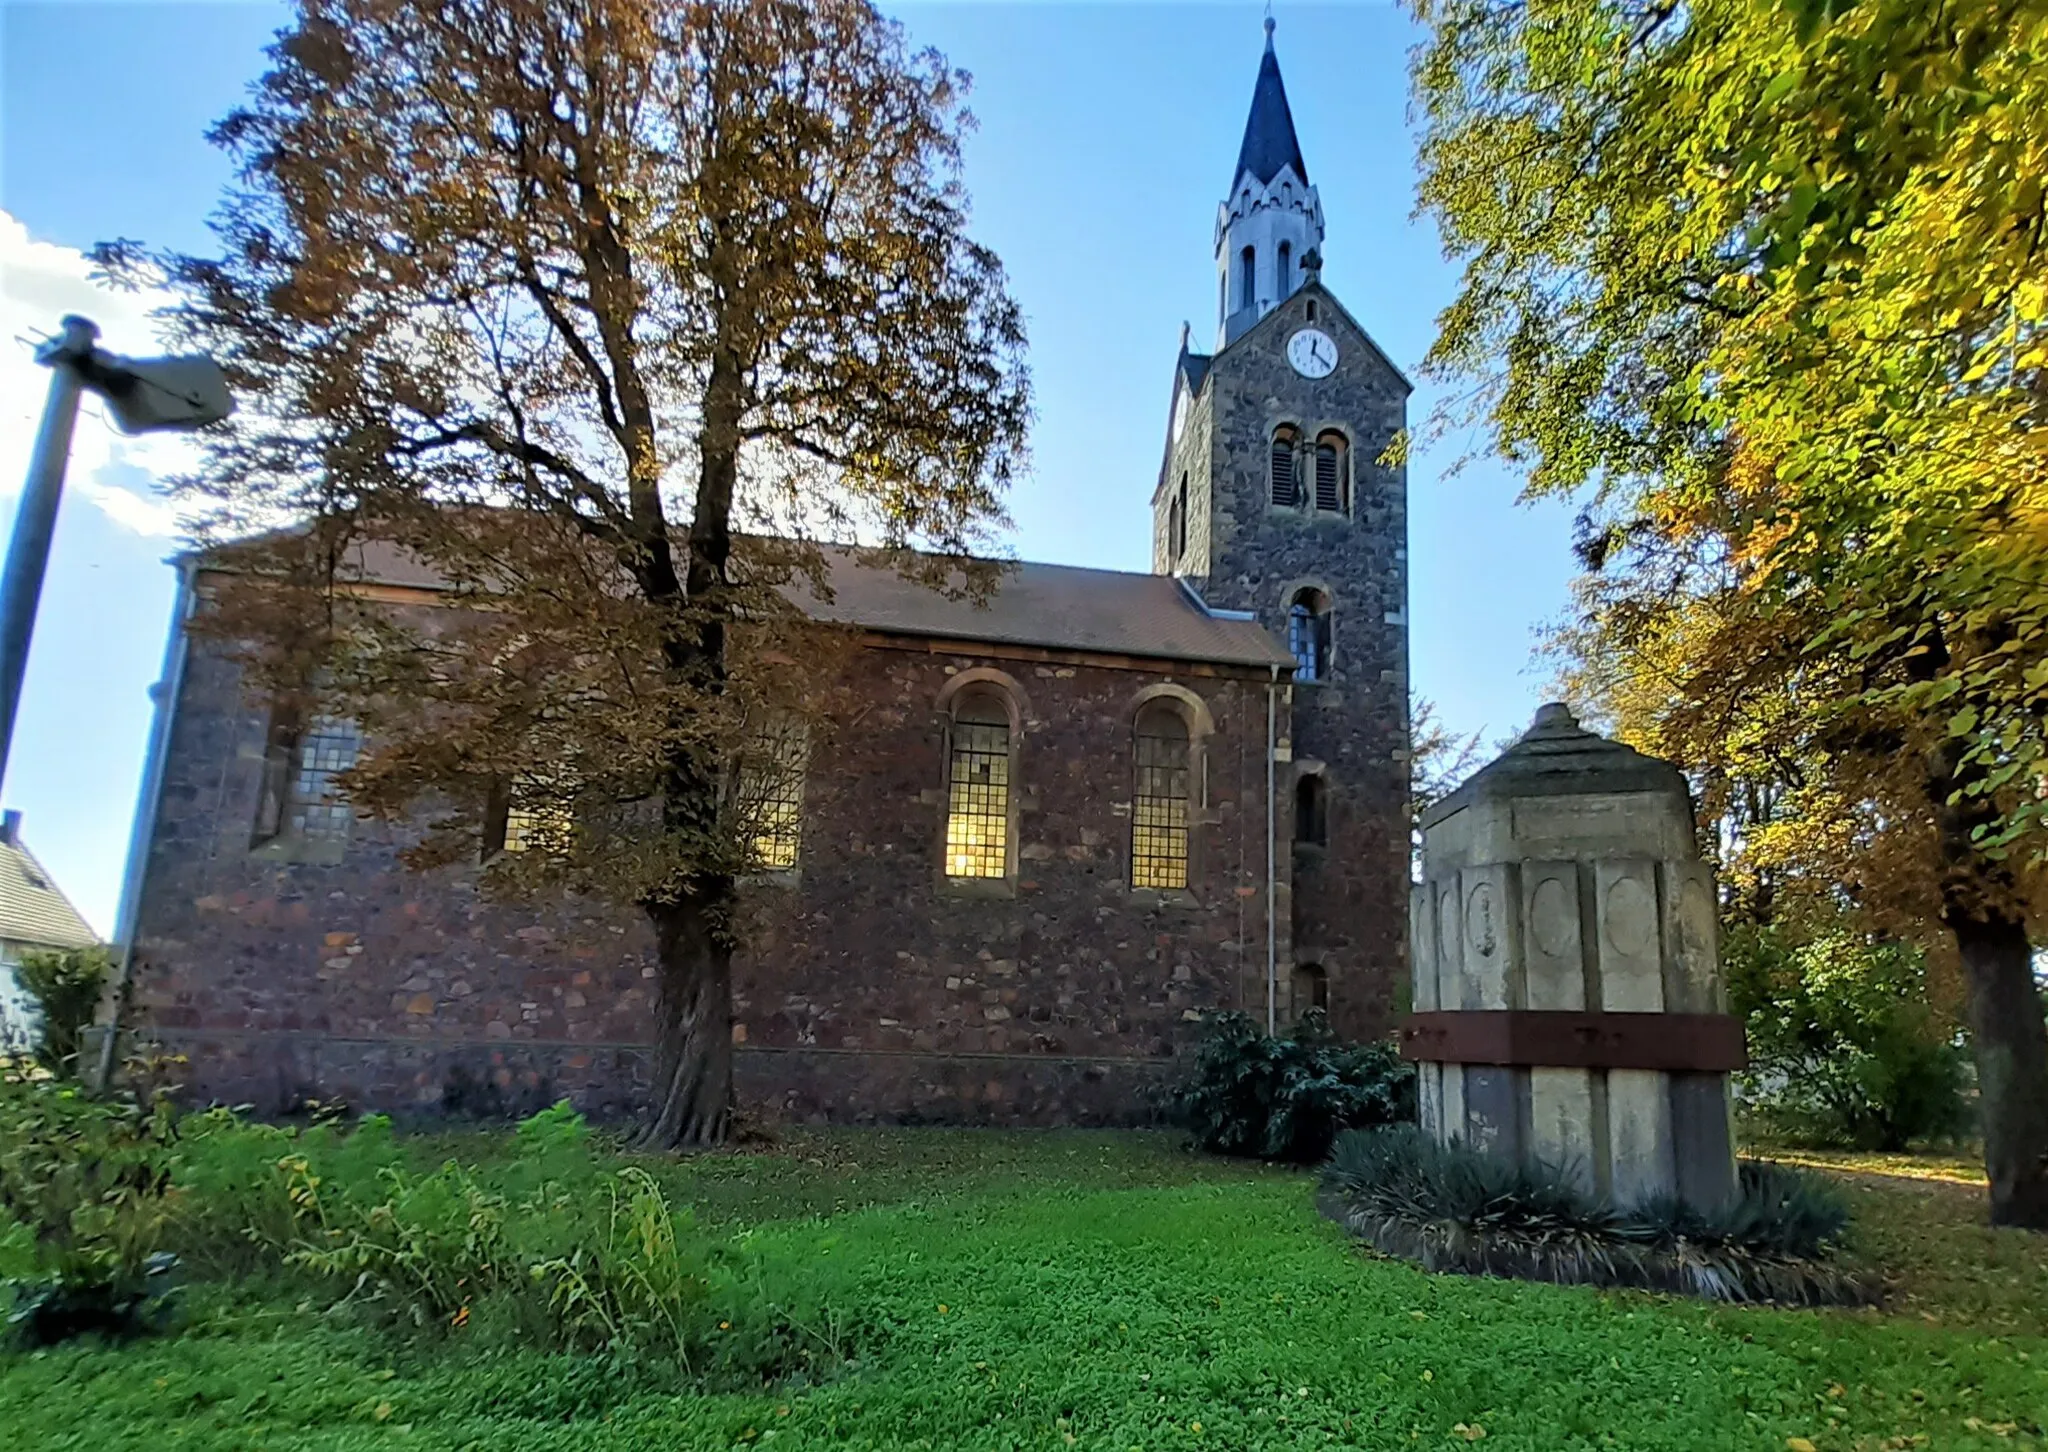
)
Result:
{"points": [[317, 808], [978, 790], [771, 796], [1250, 262], [1311, 309], [1159, 800], [1280, 468], [1308, 635], [1333, 467], [1180, 521], [1311, 988], [1280, 272], [1311, 821]]}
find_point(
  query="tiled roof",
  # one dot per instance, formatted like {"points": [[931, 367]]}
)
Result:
{"points": [[32, 909], [1058, 607], [1055, 607]]}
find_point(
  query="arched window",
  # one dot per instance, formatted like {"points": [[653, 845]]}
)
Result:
{"points": [[1159, 798], [1311, 988], [978, 787], [1333, 472], [1311, 817], [770, 794], [1178, 539], [1311, 309], [1280, 271], [1249, 262], [1280, 467], [1308, 634]]}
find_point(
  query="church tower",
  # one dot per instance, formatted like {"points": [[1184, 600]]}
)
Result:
{"points": [[1275, 497]]}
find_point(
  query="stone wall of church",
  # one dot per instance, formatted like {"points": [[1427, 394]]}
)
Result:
{"points": [[1349, 901], [870, 992]]}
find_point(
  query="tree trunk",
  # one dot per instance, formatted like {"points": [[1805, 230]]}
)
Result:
{"points": [[2011, 1044], [692, 1091]]}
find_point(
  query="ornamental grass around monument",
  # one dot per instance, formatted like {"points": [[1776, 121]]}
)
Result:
{"points": [[1450, 1208]]}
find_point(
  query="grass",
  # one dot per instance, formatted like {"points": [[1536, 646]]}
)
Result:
{"points": [[1108, 1291]]}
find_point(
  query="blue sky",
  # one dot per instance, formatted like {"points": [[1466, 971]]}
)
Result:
{"points": [[1106, 138]]}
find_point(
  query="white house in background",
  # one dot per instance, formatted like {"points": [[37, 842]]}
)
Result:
{"points": [[33, 914]]}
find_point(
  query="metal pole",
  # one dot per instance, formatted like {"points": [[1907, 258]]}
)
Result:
{"points": [[28, 552], [1272, 867]]}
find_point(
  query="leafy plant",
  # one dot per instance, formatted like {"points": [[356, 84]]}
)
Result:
{"points": [[89, 1183], [1452, 1208], [1286, 1097], [572, 1254], [66, 985], [1845, 1047]]}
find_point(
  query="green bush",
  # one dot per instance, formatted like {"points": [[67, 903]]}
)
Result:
{"points": [[66, 985], [1451, 1208], [1845, 1048], [86, 1196], [1286, 1097]]}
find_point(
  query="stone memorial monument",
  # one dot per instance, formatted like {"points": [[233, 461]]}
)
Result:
{"points": [[1569, 1006]]}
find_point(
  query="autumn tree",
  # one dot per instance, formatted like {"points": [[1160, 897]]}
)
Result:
{"points": [[609, 314], [1765, 283]]}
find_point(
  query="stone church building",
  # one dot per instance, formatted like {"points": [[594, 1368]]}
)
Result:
{"points": [[1067, 825]]}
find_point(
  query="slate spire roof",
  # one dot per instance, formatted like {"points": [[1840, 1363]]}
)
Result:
{"points": [[1269, 141]]}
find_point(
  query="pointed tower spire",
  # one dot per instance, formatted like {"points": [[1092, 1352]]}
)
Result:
{"points": [[1272, 220], [1269, 140]]}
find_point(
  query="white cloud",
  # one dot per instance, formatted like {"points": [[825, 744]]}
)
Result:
{"points": [[39, 283]]}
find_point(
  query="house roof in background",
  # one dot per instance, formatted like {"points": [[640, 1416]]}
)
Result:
{"points": [[33, 909]]}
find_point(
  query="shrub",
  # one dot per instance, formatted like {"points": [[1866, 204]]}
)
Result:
{"points": [[1451, 1208], [66, 985], [1845, 1046], [87, 1186], [1287, 1097], [552, 1244]]}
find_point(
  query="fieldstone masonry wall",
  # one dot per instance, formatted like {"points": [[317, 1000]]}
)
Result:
{"points": [[1348, 905], [871, 993]]}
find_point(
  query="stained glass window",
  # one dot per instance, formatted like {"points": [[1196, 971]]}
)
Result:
{"points": [[537, 813], [1159, 801], [978, 794], [771, 796], [325, 749]]}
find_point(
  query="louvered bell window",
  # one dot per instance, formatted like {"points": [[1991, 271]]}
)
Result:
{"points": [[1330, 471], [1280, 469]]}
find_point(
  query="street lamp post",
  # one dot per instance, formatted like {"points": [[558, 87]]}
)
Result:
{"points": [[144, 395]]}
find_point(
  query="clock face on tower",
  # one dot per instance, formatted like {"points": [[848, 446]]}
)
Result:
{"points": [[1312, 352]]}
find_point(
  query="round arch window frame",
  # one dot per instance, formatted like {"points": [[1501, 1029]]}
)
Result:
{"points": [[1002, 687], [1200, 722]]}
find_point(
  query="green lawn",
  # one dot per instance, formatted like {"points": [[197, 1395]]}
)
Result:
{"points": [[1109, 1291]]}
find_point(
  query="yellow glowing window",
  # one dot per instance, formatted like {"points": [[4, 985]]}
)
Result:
{"points": [[978, 798], [771, 797], [537, 815], [1159, 801]]}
